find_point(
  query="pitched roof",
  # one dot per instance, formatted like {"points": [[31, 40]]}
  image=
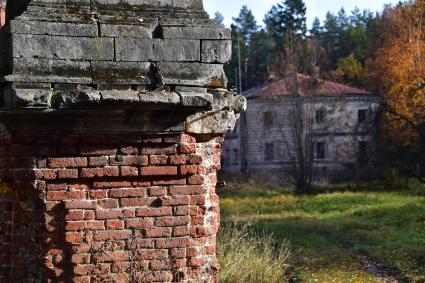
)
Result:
{"points": [[306, 87]]}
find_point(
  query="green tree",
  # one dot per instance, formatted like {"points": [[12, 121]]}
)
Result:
{"points": [[330, 42], [286, 24], [288, 17], [218, 18], [316, 28], [243, 29], [262, 44], [350, 70]]}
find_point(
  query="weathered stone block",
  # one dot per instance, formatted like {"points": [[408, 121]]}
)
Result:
{"points": [[193, 74], [211, 122], [49, 67], [121, 30], [196, 32], [120, 72], [75, 98], [120, 96], [157, 97], [131, 49], [53, 28], [203, 100], [216, 51], [60, 47], [28, 97]]}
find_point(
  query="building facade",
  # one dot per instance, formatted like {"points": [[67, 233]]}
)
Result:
{"points": [[332, 124]]}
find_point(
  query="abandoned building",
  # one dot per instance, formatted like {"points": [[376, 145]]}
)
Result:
{"points": [[112, 117], [339, 124]]}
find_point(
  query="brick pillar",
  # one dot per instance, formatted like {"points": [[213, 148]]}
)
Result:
{"points": [[112, 118], [2, 13], [108, 208]]}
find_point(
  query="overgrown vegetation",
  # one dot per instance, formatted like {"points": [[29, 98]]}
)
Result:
{"points": [[56, 99], [246, 257], [328, 231]]}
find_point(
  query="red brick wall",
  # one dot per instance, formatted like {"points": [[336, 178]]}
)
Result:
{"points": [[108, 208], [2, 16]]}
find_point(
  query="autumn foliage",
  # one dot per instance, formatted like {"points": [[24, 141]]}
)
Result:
{"points": [[399, 71]]}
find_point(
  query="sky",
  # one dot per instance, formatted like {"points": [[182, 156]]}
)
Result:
{"points": [[315, 8]]}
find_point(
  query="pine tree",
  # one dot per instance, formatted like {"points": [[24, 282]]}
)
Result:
{"points": [[287, 18], [243, 29], [218, 18]]}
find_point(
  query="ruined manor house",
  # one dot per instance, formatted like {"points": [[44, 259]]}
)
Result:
{"points": [[112, 118], [340, 121]]}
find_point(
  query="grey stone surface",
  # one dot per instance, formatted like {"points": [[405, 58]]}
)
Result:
{"points": [[131, 49], [184, 4], [196, 32], [49, 79], [193, 99], [240, 104], [214, 122], [77, 98], [49, 67], [181, 88], [120, 72], [224, 99], [61, 47], [193, 74], [216, 51], [121, 30], [119, 96], [160, 97], [28, 97], [137, 65], [53, 28]]}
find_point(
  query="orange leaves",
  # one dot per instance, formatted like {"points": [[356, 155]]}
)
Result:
{"points": [[400, 69]]}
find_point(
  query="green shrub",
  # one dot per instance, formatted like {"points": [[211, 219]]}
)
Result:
{"points": [[56, 99], [245, 257]]}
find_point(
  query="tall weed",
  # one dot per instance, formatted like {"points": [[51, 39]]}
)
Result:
{"points": [[249, 258]]}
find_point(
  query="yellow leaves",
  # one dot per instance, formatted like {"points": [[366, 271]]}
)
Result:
{"points": [[3, 188], [400, 67]]}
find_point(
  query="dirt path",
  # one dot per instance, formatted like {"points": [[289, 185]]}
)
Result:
{"points": [[384, 272]]}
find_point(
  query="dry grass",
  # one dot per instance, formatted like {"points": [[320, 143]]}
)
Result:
{"points": [[326, 232], [245, 257]]}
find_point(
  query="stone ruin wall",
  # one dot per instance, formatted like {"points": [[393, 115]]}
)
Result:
{"points": [[111, 126]]}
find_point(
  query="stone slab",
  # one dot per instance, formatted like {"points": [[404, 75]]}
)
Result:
{"points": [[216, 51], [120, 72], [193, 74], [160, 97], [121, 30], [198, 100], [60, 47], [213, 122], [76, 98], [119, 96], [182, 4], [18, 98], [196, 32], [47, 79], [49, 67], [131, 49], [53, 28]]}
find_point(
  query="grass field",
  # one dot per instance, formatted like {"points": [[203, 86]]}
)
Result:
{"points": [[328, 231]]}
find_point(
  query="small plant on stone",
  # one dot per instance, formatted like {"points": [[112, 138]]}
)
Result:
{"points": [[3, 187], [56, 99]]}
